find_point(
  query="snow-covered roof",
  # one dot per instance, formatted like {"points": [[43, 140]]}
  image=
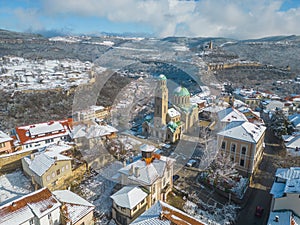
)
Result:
{"points": [[42, 161], [173, 112], [75, 207], [293, 142], [42, 131], [275, 105], [129, 196], [93, 131], [245, 131], [295, 119], [162, 213], [4, 137], [36, 204], [291, 184], [147, 174], [214, 109], [230, 114], [284, 218], [147, 148]]}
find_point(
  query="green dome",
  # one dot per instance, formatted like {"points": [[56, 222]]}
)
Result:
{"points": [[181, 91], [162, 77]]}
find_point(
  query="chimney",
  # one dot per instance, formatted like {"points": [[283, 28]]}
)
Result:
{"points": [[131, 170], [276, 219], [136, 171]]}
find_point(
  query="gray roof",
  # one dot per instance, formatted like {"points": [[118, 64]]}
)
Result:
{"points": [[245, 131], [230, 114], [148, 174], [42, 162], [4, 137], [129, 196]]}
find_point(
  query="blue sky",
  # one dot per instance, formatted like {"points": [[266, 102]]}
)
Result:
{"points": [[227, 18]]}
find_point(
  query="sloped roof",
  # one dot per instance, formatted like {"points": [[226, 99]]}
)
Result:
{"points": [[4, 137], [162, 213], [295, 119], [293, 143], [74, 207], [148, 174], [230, 115], [129, 196], [38, 203], [292, 182], [42, 131], [43, 161], [94, 131], [245, 131]]}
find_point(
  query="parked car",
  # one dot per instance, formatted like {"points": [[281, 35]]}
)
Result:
{"points": [[259, 211]]}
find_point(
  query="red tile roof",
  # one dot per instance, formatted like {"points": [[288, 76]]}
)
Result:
{"points": [[23, 132]]}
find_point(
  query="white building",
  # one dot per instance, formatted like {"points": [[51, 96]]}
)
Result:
{"points": [[36, 136], [286, 190], [39, 207]]}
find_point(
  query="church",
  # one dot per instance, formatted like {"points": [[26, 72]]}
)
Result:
{"points": [[169, 124]]}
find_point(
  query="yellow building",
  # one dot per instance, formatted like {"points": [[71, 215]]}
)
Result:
{"points": [[46, 170], [5, 143], [243, 142]]}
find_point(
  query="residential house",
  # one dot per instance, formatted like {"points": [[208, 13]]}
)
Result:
{"points": [[252, 116], [243, 142], [153, 174], [292, 144], [128, 204], [47, 169], [45, 208], [92, 113], [90, 141], [285, 190], [229, 115], [39, 207], [6, 143], [40, 135], [163, 213], [274, 105], [285, 217], [295, 121], [74, 209]]}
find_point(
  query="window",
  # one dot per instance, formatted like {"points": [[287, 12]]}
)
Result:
{"points": [[67, 167], [232, 159], [143, 201], [153, 188], [233, 146], [48, 177], [244, 149], [223, 146], [31, 221], [242, 162], [63, 169], [58, 172], [53, 174], [135, 208], [49, 216], [2, 145]]}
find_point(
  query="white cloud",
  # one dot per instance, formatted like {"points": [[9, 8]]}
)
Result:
{"points": [[229, 18]]}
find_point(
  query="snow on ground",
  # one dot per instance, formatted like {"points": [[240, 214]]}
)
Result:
{"points": [[14, 185], [216, 216], [97, 189]]}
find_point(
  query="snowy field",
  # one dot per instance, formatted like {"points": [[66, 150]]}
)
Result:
{"points": [[14, 185]]}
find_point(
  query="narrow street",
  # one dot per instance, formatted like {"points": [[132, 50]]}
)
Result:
{"points": [[259, 190]]}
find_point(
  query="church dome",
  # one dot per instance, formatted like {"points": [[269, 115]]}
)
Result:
{"points": [[181, 91], [162, 77]]}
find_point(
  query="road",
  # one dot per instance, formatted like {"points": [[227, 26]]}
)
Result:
{"points": [[259, 191]]}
